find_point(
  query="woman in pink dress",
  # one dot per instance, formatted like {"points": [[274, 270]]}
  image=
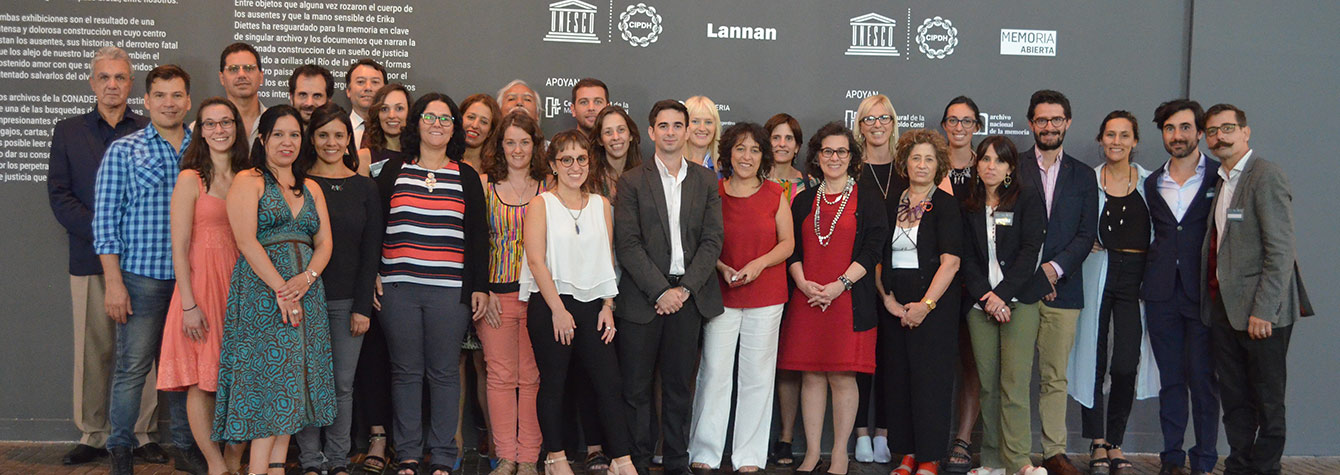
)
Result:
{"points": [[203, 256]]}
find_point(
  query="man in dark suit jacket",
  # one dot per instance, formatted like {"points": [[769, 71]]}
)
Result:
{"points": [[1255, 293], [77, 145], [1070, 192], [667, 236], [1180, 194]]}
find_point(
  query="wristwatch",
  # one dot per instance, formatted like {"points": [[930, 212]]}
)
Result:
{"points": [[846, 283], [930, 304]]}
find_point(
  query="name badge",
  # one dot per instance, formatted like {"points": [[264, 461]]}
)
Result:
{"points": [[1004, 218], [1234, 214], [1210, 193]]}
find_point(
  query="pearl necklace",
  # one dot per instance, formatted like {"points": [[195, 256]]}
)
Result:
{"points": [[824, 239]]}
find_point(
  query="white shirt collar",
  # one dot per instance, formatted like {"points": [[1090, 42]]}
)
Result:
{"points": [[356, 119], [665, 172], [1237, 168]]}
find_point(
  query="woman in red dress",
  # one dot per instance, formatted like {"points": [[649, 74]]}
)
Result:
{"points": [[829, 332]]}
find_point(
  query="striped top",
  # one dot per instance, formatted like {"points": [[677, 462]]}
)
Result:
{"points": [[425, 228], [506, 221]]}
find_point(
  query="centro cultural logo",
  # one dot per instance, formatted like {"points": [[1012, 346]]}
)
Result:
{"points": [[572, 21], [640, 25], [937, 37]]}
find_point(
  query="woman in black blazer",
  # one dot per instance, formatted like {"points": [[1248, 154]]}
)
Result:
{"points": [[1004, 231], [918, 337]]}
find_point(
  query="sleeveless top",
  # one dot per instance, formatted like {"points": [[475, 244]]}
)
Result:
{"points": [[576, 251], [904, 245], [1124, 223], [506, 222], [751, 231]]}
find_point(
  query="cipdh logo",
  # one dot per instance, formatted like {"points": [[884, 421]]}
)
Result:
{"points": [[572, 21], [937, 37], [872, 34], [640, 25]]}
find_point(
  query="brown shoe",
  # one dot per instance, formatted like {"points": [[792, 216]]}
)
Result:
{"points": [[1059, 464], [1170, 469]]}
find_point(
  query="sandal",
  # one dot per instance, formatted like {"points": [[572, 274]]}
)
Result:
{"points": [[412, 467], [928, 468], [1099, 465], [1118, 465], [597, 462], [959, 459], [782, 454], [905, 467], [373, 464], [437, 467], [615, 466]]}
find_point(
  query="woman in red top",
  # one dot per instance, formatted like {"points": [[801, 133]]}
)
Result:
{"points": [[759, 237]]}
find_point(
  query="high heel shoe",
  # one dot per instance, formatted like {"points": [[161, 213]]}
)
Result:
{"points": [[819, 467]]}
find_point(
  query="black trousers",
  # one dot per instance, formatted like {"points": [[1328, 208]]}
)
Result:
{"points": [[598, 360], [582, 425], [1252, 376], [372, 382], [670, 342], [919, 368], [866, 384], [1119, 316]]}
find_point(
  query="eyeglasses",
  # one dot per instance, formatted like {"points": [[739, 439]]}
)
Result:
{"points": [[871, 119], [1041, 122], [955, 122], [225, 123], [441, 119], [248, 68], [840, 152], [568, 161], [1226, 128]]}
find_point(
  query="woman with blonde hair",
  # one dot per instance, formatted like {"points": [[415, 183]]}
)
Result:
{"points": [[704, 131]]}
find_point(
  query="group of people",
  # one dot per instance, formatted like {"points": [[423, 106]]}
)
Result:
{"points": [[281, 267]]}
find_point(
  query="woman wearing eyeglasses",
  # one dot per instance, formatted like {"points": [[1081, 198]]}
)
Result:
{"points": [[829, 332], [570, 265], [434, 276]]}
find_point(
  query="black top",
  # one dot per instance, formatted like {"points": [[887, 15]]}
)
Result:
{"points": [[356, 231], [872, 232], [881, 178], [1124, 223], [961, 180], [939, 232], [1019, 237]]}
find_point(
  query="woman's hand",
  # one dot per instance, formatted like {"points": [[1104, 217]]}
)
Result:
{"points": [[996, 308], [377, 293], [193, 324], [290, 311], [891, 304], [564, 326], [358, 324], [493, 313], [728, 273], [748, 273], [479, 304], [605, 324], [916, 313], [297, 286]]}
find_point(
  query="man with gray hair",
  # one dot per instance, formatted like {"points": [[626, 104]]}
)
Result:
{"points": [[518, 95], [77, 145]]}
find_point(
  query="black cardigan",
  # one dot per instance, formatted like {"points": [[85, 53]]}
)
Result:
{"points": [[475, 277], [1017, 248], [940, 232], [872, 231]]}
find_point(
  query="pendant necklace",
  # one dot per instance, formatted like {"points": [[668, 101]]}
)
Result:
{"points": [[576, 225], [888, 180]]}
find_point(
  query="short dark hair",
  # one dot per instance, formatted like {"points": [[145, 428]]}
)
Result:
{"points": [[665, 104], [311, 70], [166, 72], [594, 168], [816, 144], [733, 135], [590, 82], [237, 47], [1224, 107], [369, 62], [1120, 114], [967, 101], [331, 112], [1167, 109], [1048, 96], [1004, 148], [409, 136], [790, 122]]}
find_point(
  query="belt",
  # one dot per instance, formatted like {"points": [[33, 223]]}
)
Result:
{"points": [[1129, 251]]}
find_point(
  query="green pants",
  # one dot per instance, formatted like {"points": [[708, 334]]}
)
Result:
{"points": [[1056, 337], [1004, 354]]}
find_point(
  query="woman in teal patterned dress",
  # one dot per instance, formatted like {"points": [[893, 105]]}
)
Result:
{"points": [[275, 375]]}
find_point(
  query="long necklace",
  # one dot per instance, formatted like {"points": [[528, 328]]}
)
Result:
{"points": [[576, 226], [824, 239], [907, 212], [1130, 184], [519, 193], [888, 180]]}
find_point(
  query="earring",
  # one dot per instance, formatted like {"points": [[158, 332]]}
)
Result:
{"points": [[1008, 179]]}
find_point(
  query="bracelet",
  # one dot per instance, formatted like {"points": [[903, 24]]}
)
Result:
{"points": [[193, 307], [309, 278], [846, 283]]}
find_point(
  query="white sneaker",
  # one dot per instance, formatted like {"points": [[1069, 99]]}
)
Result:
{"points": [[1031, 470], [882, 454], [865, 452], [986, 471]]}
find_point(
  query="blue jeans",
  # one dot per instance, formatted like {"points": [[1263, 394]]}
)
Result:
{"points": [[137, 344]]}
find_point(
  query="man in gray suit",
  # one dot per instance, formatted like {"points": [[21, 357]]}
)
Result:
{"points": [[1255, 294], [667, 236]]}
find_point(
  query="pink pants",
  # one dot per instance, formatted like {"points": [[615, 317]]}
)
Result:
{"points": [[513, 382]]}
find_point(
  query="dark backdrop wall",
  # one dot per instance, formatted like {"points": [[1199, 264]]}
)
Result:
{"points": [[815, 60]]}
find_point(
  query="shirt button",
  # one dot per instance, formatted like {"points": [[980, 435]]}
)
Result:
{"points": [[1179, 227]]}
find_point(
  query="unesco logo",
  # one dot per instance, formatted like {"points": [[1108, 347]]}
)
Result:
{"points": [[937, 37], [872, 34], [572, 21], [640, 25]]}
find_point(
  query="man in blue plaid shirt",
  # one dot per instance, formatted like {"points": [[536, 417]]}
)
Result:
{"points": [[132, 238]]}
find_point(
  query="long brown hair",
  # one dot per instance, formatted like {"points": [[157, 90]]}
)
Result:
{"points": [[597, 148], [374, 138], [197, 155], [1007, 195], [495, 164]]}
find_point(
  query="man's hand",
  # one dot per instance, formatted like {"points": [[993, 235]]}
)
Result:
{"points": [[117, 301], [671, 301], [1258, 329], [1049, 268]]}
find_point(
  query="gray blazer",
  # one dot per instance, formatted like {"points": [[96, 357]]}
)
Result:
{"points": [[1257, 263], [642, 241]]}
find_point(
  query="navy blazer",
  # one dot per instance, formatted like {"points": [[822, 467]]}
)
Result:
{"points": [[1175, 252], [1017, 249], [1072, 225], [77, 145]]}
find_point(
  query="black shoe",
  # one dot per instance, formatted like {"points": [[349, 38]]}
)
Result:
{"points": [[190, 460], [1170, 469], [123, 461], [151, 453], [82, 454]]}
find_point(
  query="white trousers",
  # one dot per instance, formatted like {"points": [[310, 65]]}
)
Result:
{"points": [[755, 330]]}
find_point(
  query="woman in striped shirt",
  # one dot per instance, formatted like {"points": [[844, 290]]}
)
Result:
{"points": [[434, 275]]}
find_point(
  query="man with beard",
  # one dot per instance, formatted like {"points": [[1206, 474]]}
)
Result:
{"points": [[309, 87], [1070, 191], [1254, 292], [241, 75], [1180, 195], [589, 95], [361, 83]]}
